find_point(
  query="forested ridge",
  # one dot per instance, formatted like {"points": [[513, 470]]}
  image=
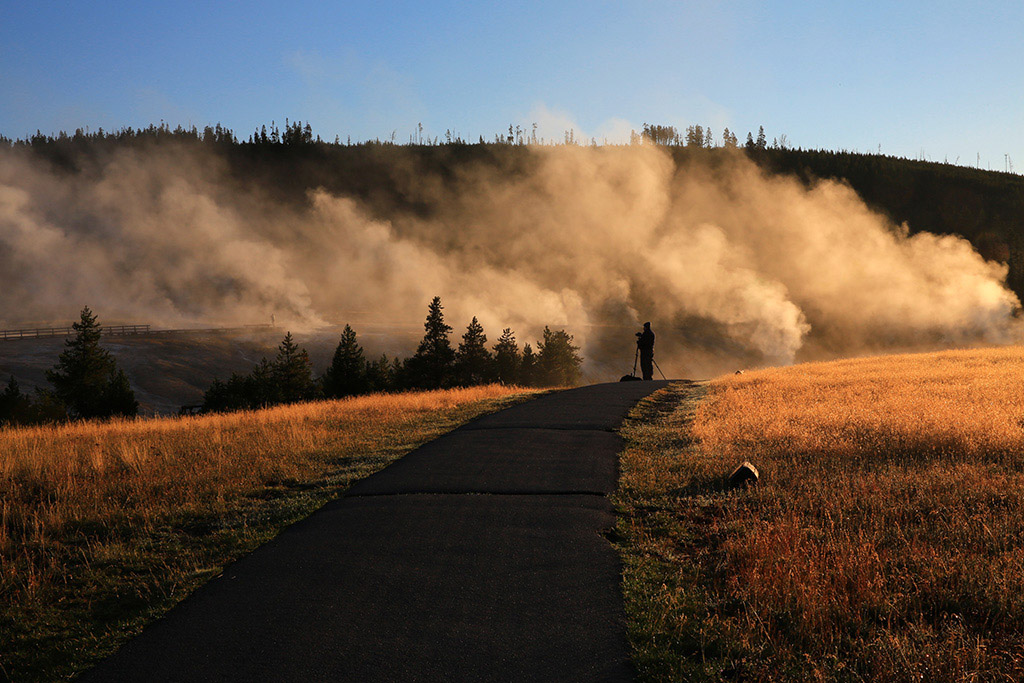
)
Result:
{"points": [[986, 207]]}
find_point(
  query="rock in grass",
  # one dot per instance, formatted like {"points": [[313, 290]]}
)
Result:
{"points": [[743, 476]]}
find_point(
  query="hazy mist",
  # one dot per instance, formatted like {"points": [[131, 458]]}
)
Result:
{"points": [[733, 267]]}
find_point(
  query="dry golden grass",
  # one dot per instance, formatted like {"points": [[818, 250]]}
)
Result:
{"points": [[957, 406], [104, 524], [884, 542]]}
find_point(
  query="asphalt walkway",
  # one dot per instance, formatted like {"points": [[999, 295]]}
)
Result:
{"points": [[477, 557]]}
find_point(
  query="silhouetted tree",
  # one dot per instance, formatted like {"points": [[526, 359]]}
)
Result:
{"points": [[528, 367], [399, 374], [223, 396], [15, 406], [292, 372], [431, 366], [20, 408], [347, 374], [661, 135], [379, 374], [473, 362], [120, 398], [506, 358], [45, 407], [695, 136], [86, 378], [762, 141], [286, 380], [558, 363], [259, 388]]}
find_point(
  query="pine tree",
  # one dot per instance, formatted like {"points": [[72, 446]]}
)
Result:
{"points": [[750, 141], [347, 374], [528, 367], [217, 397], [432, 364], [695, 136], [119, 397], [260, 388], [378, 374], [398, 375], [13, 403], [44, 406], [558, 362], [506, 358], [473, 362], [762, 141], [292, 372], [86, 378], [242, 392]]}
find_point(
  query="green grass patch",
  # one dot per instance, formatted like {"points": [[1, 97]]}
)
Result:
{"points": [[672, 626]]}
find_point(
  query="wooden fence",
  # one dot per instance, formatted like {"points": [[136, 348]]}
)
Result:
{"points": [[44, 332], [119, 331]]}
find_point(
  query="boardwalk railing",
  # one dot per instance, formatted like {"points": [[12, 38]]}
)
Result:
{"points": [[43, 332], [117, 331]]}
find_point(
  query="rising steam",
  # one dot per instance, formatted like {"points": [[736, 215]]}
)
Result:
{"points": [[730, 264]]}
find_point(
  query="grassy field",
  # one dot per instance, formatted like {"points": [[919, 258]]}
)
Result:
{"points": [[104, 526], [885, 541]]}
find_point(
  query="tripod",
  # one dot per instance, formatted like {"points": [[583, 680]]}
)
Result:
{"points": [[637, 357], [659, 368]]}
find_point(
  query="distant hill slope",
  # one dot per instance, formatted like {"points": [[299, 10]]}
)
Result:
{"points": [[937, 197], [166, 372], [986, 207], [169, 371]]}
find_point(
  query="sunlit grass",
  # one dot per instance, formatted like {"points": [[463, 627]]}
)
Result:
{"points": [[885, 540], [104, 525]]}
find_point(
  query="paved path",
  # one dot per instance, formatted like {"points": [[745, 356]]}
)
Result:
{"points": [[477, 557]]}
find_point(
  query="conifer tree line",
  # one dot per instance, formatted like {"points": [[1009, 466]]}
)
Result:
{"points": [[85, 383], [436, 364], [299, 134]]}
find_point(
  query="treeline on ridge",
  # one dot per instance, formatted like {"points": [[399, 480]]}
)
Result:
{"points": [[87, 384], [436, 364]]}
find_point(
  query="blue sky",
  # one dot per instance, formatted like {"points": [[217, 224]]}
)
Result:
{"points": [[943, 80]]}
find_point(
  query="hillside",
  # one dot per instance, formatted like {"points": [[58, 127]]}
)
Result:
{"points": [[986, 207], [171, 371]]}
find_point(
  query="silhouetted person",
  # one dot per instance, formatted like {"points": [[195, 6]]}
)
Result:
{"points": [[645, 342]]}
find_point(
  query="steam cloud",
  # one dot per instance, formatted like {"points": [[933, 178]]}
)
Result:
{"points": [[731, 265]]}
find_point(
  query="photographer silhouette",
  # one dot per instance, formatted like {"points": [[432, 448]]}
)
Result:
{"points": [[645, 344]]}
